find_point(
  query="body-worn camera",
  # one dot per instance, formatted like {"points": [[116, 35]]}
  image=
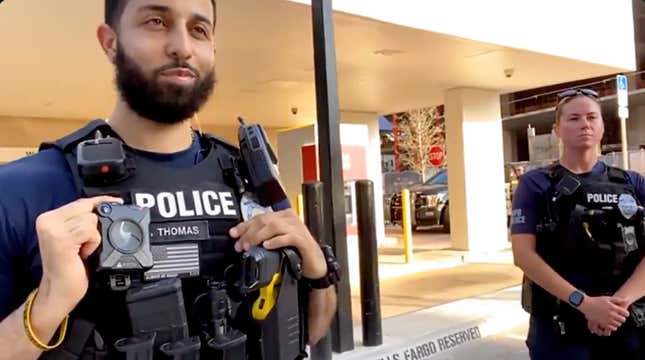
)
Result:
{"points": [[126, 241]]}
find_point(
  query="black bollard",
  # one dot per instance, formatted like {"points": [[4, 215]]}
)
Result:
{"points": [[313, 214], [370, 293], [312, 197]]}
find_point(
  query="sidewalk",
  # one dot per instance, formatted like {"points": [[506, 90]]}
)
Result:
{"points": [[485, 327], [507, 345], [446, 304]]}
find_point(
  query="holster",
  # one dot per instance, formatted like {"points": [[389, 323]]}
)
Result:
{"points": [[637, 313]]}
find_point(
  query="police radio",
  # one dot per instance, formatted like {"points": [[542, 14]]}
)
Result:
{"points": [[260, 164], [125, 245]]}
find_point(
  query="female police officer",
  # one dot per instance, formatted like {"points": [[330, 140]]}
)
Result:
{"points": [[576, 234]]}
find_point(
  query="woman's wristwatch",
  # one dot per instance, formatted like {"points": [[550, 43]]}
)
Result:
{"points": [[333, 271], [576, 298]]}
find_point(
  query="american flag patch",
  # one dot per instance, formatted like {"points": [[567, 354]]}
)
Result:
{"points": [[174, 260]]}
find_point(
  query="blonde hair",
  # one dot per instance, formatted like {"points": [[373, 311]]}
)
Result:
{"points": [[568, 99]]}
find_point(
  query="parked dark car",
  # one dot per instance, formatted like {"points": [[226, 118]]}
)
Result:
{"points": [[393, 182], [430, 201]]}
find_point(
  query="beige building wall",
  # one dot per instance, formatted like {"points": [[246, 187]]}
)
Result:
{"points": [[30, 132], [289, 155]]}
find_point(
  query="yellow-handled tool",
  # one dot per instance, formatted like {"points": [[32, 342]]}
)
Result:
{"points": [[267, 299]]}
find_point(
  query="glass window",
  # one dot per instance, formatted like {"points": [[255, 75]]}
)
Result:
{"points": [[440, 178]]}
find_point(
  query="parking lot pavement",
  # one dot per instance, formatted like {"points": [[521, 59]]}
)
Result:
{"points": [[428, 238]]}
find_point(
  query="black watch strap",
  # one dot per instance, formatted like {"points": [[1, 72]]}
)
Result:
{"points": [[333, 270]]}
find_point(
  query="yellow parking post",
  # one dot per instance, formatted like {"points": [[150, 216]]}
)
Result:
{"points": [[300, 207], [406, 224]]}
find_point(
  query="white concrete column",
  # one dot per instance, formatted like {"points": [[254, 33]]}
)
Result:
{"points": [[374, 163], [475, 170]]}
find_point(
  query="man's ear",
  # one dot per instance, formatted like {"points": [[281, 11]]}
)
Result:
{"points": [[107, 39]]}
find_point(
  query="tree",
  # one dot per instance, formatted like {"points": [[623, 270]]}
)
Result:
{"points": [[418, 131]]}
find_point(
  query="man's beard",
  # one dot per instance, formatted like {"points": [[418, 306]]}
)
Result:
{"points": [[164, 103]]}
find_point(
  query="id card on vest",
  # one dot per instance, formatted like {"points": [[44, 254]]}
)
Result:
{"points": [[250, 206]]}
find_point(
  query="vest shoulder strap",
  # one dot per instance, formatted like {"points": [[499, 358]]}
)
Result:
{"points": [[68, 143], [555, 173], [229, 159], [614, 174], [617, 175], [219, 142]]}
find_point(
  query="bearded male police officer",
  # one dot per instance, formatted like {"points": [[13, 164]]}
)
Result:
{"points": [[163, 53]]}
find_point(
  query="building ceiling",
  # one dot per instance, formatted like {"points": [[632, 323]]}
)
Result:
{"points": [[51, 64]]}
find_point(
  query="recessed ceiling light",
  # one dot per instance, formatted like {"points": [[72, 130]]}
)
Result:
{"points": [[283, 84], [387, 52]]}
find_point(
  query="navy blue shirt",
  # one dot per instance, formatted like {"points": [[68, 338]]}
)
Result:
{"points": [[29, 187], [534, 184]]}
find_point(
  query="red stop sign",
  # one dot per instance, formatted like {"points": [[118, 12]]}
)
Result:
{"points": [[436, 155]]}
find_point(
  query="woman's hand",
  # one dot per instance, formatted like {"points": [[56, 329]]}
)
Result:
{"points": [[604, 313]]}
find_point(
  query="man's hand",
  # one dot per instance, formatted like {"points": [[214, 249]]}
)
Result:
{"points": [[66, 237], [281, 229], [604, 313]]}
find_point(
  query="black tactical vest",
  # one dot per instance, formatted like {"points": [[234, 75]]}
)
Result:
{"points": [[192, 210], [590, 232]]}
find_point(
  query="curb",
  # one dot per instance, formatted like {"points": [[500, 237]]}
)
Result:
{"points": [[436, 331]]}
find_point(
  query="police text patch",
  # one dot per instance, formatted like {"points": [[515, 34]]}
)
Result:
{"points": [[517, 217], [188, 204]]}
